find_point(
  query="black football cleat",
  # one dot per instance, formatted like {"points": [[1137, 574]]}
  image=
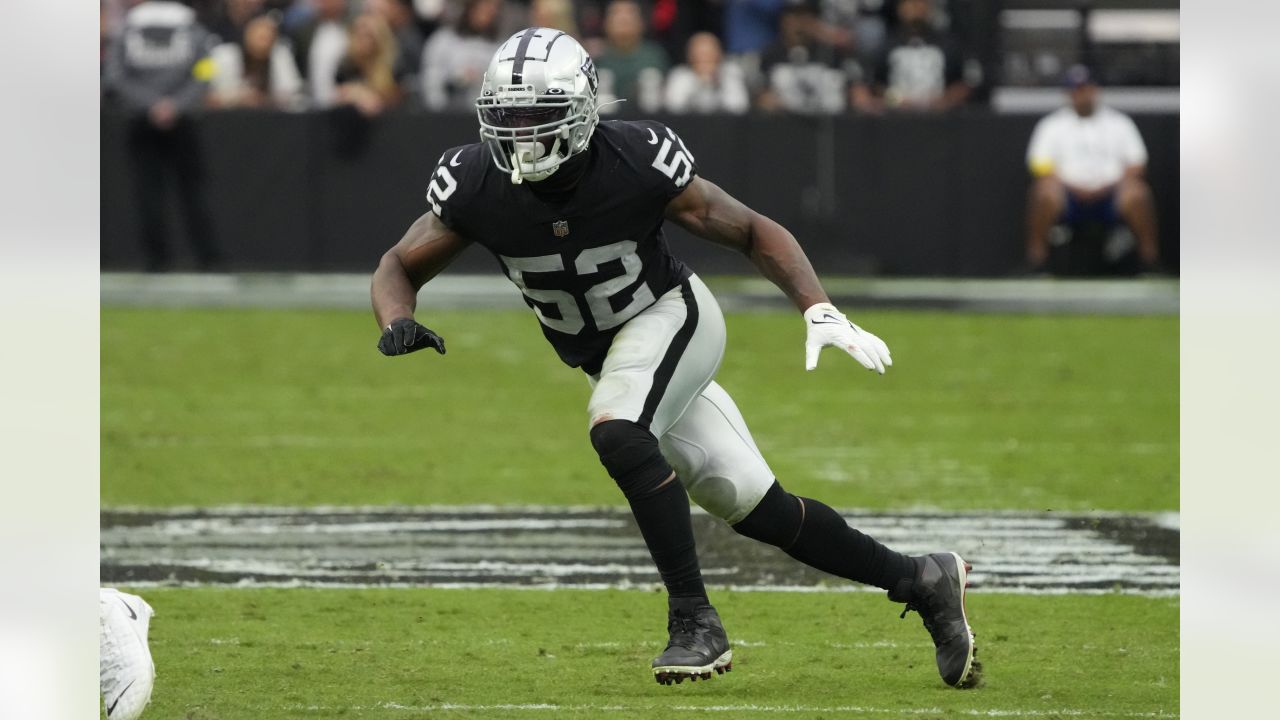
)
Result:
{"points": [[698, 644], [937, 593]]}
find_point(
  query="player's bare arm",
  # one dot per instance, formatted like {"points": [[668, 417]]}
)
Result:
{"points": [[709, 212], [713, 214], [426, 249]]}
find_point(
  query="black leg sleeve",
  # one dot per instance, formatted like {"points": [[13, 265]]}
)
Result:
{"points": [[660, 506], [819, 537]]}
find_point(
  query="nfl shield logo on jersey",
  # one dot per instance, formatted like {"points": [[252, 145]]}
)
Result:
{"points": [[560, 228]]}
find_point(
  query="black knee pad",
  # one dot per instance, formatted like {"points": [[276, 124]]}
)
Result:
{"points": [[629, 453], [776, 519]]}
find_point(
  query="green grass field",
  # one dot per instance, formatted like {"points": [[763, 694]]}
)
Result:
{"points": [[979, 412], [256, 654]]}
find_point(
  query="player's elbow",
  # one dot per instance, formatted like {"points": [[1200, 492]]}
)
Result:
{"points": [[752, 232], [390, 266], [390, 260]]}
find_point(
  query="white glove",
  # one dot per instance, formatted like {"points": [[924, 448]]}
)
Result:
{"points": [[828, 326]]}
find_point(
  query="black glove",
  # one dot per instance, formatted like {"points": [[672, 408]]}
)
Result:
{"points": [[405, 335]]}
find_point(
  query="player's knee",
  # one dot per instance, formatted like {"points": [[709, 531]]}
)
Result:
{"points": [[630, 454], [775, 520], [729, 494]]}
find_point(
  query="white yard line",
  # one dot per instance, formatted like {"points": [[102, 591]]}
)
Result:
{"points": [[733, 709]]}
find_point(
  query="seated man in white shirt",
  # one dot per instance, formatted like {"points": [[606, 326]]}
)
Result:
{"points": [[1088, 161]]}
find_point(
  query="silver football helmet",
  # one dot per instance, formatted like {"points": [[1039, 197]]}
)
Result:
{"points": [[537, 105]]}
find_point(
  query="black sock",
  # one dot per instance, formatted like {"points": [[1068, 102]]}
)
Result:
{"points": [[819, 537]]}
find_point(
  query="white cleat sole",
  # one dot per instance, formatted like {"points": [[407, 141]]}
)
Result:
{"points": [[972, 674], [676, 674]]}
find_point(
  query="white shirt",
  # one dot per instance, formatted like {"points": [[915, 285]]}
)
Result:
{"points": [[229, 83], [327, 49], [688, 93], [1086, 152], [452, 68]]}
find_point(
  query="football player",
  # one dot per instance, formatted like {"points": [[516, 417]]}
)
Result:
{"points": [[573, 209]]}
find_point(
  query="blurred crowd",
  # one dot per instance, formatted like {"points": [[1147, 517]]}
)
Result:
{"points": [[162, 60], [678, 56]]}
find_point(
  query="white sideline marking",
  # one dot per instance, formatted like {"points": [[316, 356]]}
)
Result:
{"points": [[646, 587], [780, 709], [203, 526], [548, 547], [736, 643], [236, 511]]}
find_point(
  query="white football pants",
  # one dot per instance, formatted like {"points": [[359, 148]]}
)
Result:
{"points": [[660, 373]]}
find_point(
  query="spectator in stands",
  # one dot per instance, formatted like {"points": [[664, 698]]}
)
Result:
{"points": [[855, 27], [431, 15], [369, 77], [707, 84], [319, 46], [751, 26], [554, 14], [803, 74], [1088, 161], [231, 17], [630, 67], [457, 55], [920, 68], [673, 22], [258, 72], [105, 35], [398, 14], [158, 70]]}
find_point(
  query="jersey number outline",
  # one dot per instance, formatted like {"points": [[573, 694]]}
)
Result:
{"points": [[598, 297], [441, 187], [673, 157]]}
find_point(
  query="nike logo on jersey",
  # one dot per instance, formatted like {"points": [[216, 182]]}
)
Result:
{"points": [[454, 162], [118, 697], [653, 137], [132, 615]]}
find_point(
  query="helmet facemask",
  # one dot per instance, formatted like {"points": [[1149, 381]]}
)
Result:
{"points": [[530, 135]]}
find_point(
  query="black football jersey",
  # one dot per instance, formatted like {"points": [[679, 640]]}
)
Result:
{"points": [[587, 260]]}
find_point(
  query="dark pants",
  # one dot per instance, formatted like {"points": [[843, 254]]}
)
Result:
{"points": [[170, 157]]}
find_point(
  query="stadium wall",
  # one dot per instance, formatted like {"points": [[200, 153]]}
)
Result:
{"points": [[906, 195]]}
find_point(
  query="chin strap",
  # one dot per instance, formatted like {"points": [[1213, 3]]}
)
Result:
{"points": [[516, 177]]}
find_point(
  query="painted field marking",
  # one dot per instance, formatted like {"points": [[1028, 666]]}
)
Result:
{"points": [[593, 548]]}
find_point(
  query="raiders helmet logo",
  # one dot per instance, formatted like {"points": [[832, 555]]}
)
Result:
{"points": [[589, 69], [560, 228]]}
